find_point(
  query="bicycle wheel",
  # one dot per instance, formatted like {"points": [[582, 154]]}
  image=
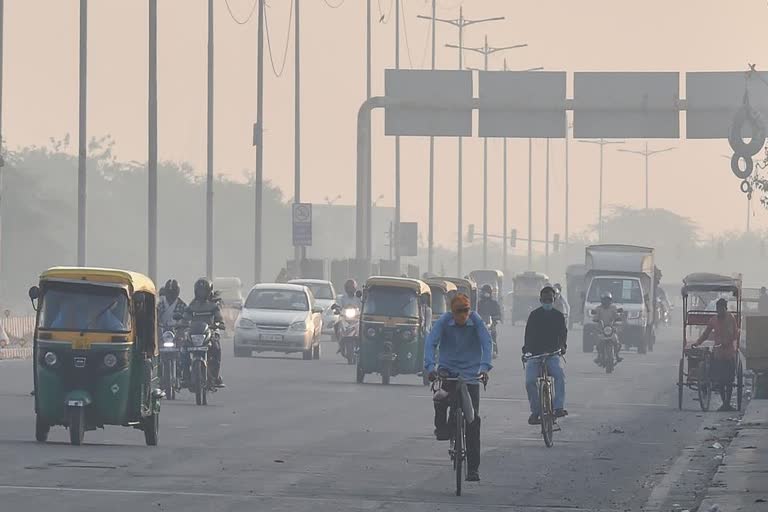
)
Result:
{"points": [[547, 415], [459, 449], [705, 385]]}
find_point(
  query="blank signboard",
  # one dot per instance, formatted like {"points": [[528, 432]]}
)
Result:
{"points": [[713, 98], [626, 105], [414, 87], [522, 104]]}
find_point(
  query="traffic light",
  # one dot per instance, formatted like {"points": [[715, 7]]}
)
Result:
{"points": [[513, 238], [470, 233], [556, 243]]}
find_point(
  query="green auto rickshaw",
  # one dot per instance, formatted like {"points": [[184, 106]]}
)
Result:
{"points": [[442, 292], [394, 323], [95, 352]]}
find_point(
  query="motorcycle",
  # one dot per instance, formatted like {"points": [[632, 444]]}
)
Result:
{"points": [[170, 364], [606, 345], [662, 312], [349, 332], [201, 336]]}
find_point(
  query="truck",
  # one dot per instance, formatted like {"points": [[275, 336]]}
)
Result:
{"points": [[629, 274]]}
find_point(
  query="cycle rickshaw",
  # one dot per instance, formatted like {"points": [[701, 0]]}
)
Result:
{"points": [[700, 292]]}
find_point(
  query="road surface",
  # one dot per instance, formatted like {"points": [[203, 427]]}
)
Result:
{"points": [[293, 435]]}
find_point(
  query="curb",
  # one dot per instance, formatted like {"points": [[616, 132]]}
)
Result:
{"points": [[16, 353]]}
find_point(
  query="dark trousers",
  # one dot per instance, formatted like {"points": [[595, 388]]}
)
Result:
{"points": [[473, 429], [723, 371]]}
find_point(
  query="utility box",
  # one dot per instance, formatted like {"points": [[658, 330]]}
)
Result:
{"points": [[756, 352]]}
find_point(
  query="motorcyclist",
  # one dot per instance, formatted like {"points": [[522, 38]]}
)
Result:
{"points": [[349, 299], [608, 314], [170, 304], [490, 311], [561, 303], [206, 303]]}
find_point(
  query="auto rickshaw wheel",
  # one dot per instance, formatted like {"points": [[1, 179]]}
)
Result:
{"points": [[739, 385], [76, 425], [360, 374], [41, 429], [680, 377], [151, 425]]}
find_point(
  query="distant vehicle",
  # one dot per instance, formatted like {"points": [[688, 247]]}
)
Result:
{"points": [[230, 291], [324, 294], [576, 292], [527, 288], [279, 318]]}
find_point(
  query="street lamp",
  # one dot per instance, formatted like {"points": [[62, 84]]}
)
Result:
{"points": [[646, 153], [602, 143]]}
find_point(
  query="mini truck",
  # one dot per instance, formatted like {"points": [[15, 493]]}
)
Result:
{"points": [[628, 273]]}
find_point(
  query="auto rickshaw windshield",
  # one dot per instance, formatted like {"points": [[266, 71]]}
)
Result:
{"points": [[438, 301], [527, 286], [78, 307], [395, 302]]}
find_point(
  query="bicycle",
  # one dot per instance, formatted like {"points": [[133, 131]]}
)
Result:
{"points": [[462, 412], [546, 389]]}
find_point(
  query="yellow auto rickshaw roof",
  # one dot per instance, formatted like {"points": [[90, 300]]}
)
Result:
{"points": [[137, 282], [416, 285], [443, 284], [460, 281]]}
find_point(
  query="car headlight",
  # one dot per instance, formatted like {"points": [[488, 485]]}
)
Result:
{"points": [[197, 339], [371, 332], [168, 337], [350, 313], [246, 323], [298, 326], [110, 360], [608, 330], [50, 359]]}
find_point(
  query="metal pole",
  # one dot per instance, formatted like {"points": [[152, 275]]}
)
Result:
{"points": [[431, 232], [530, 204], [485, 173], [460, 170], [396, 240], [369, 175], [209, 162], [299, 252], [567, 187], [152, 143], [647, 182], [2, 159], [504, 238], [259, 135], [82, 154], [600, 207], [749, 211], [546, 215]]}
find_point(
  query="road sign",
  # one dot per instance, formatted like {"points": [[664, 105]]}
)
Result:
{"points": [[426, 86], [626, 105], [532, 104], [712, 99], [302, 224], [409, 239]]}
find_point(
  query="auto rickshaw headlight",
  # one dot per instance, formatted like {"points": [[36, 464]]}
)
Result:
{"points": [[50, 359], [370, 332], [110, 360], [168, 339]]}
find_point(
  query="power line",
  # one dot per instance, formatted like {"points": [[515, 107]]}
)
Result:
{"points": [[407, 42], [234, 18], [382, 18], [332, 6], [287, 42], [426, 47]]}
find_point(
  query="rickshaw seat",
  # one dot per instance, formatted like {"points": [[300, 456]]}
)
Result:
{"points": [[700, 317]]}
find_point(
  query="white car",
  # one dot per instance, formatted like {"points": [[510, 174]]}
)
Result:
{"points": [[279, 318], [325, 296]]}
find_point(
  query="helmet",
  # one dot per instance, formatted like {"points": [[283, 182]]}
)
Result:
{"points": [[558, 287], [486, 291], [203, 289], [606, 298], [172, 290], [350, 286]]}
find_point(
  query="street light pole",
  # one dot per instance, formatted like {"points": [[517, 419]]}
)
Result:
{"points": [[209, 156], [259, 142], [530, 204], [546, 215], [299, 252], [395, 241], [431, 231], [460, 23], [646, 153], [486, 51], [82, 153], [152, 143], [602, 143]]}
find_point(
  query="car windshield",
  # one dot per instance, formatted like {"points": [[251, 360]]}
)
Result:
{"points": [[77, 307], [287, 300], [439, 299], [322, 291], [624, 291], [397, 302]]}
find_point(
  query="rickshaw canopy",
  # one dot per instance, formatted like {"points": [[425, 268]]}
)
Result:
{"points": [[420, 287], [134, 281], [443, 284], [706, 282]]}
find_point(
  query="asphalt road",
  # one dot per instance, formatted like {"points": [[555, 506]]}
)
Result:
{"points": [[292, 435]]}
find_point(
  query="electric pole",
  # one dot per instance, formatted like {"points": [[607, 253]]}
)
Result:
{"points": [[486, 51], [2, 159], [530, 204], [546, 215], [82, 152], [460, 23], [431, 229], [152, 143], [259, 142], [209, 155], [568, 126], [396, 240], [647, 154], [602, 143], [299, 252]]}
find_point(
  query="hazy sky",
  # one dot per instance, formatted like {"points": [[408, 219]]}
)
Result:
{"points": [[40, 97]]}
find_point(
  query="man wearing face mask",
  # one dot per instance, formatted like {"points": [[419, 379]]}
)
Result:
{"points": [[545, 333], [464, 349], [725, 333], [169, 304], [490, 311]]}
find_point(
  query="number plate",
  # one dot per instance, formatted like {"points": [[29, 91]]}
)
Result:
{"points": [[167, 349], [198, 349], [272, 337]]}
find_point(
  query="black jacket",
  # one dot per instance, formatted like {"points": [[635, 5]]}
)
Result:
{"points": [[488, 309], [545, 332]]}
